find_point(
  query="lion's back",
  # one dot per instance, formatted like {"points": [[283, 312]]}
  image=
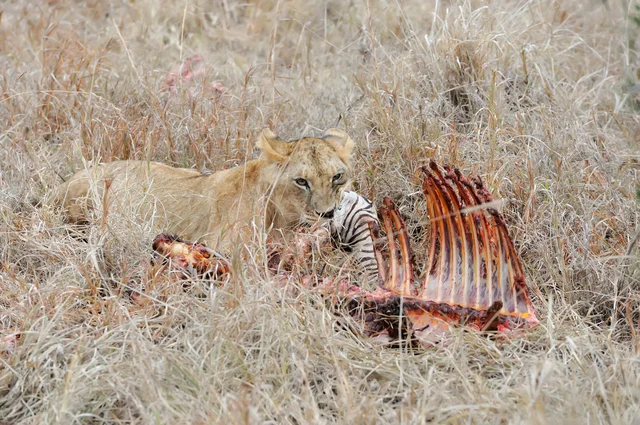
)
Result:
{"points": [[128, 180]]}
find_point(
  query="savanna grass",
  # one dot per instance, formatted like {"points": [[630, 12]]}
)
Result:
{"points": [[539, 98]]}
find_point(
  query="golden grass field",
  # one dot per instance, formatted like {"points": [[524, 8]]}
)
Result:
{"points": [[539, 97]]}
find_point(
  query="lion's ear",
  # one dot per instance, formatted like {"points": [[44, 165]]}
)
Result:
{"points": [[341, 142], [272, 147]]}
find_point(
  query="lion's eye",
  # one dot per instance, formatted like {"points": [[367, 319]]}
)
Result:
{"points": [[336, 177], [301, 182]]}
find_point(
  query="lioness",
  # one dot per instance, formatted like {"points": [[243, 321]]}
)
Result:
{"points": [[290, 183]]}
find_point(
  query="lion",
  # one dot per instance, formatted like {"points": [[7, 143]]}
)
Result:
{"points": [[289, 184]]}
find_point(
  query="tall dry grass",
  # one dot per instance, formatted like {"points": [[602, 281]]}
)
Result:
{"points": [[538, 97]]}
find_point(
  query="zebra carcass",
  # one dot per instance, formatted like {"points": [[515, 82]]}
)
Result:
{"points": [[473, 276]]}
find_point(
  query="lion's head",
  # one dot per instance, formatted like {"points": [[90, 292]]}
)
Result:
{"points": [[311, 173]]}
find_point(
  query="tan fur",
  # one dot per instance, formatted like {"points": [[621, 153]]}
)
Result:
{"points": [[262, 192]]}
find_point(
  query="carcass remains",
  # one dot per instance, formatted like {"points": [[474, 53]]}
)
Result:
{"points": [[473, 277]]}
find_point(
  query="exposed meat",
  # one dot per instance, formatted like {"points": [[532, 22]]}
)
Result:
{"points": [[286, 257], [191, 259]]}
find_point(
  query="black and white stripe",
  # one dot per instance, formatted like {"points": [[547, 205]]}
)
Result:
{"points": [[349, 227]]}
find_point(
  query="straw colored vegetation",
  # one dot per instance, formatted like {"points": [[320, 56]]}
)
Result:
{"points": [[540, 98]]}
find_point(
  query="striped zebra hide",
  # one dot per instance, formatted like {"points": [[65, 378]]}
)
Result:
{"points": [[349, 227]]}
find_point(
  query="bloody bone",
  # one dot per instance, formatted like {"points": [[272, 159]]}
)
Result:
{"points": [[186, 255], [474, 276]]}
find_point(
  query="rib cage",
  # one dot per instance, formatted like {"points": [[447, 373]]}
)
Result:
{"points": [[474, 273]]}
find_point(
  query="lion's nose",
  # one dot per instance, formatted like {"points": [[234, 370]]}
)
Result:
{"points": [[328, 214]]}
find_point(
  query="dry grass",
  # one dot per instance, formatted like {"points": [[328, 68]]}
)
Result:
{"points": [[537, 97]]}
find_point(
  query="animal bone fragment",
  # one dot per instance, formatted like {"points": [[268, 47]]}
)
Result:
{"points": [[192, 259]]}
